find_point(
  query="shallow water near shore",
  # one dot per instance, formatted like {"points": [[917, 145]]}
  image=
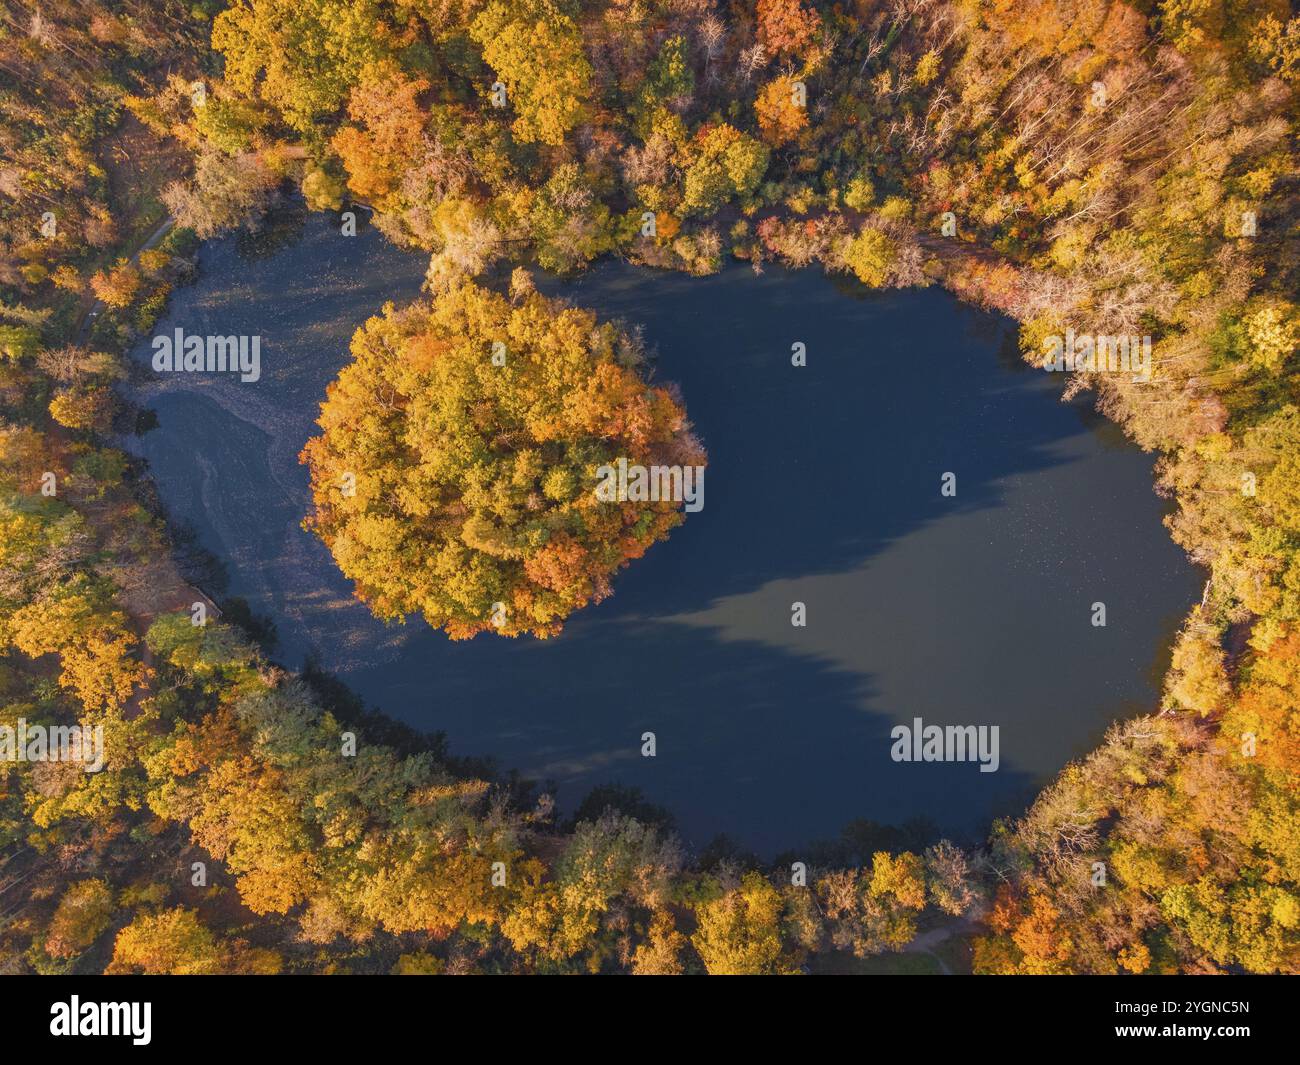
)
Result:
{"points": [[823, 487]]}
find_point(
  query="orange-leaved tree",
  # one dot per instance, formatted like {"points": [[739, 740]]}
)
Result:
{"points": [[465, 468]]}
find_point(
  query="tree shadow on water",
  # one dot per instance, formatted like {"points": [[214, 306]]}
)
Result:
{"points": [[770, 746], [814, 469]]}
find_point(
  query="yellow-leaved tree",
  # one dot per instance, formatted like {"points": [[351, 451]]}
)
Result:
{"points": [[536, 51], [465, 470]]}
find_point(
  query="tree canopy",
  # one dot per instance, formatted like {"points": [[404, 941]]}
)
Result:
{"points": [[456, 472]]}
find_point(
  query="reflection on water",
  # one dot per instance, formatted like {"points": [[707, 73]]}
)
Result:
{"points": [[823, 489]]}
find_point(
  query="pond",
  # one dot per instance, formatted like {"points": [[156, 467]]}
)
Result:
{"points": [[823, 488]]}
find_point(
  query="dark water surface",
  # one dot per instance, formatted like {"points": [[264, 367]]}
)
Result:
{"points": [[822, 487]]}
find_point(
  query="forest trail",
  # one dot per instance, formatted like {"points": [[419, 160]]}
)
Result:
{"points": [[927, 942], [92, 312]]}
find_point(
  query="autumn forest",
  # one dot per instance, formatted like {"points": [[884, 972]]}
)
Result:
{"points": [[1079, 166]]}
